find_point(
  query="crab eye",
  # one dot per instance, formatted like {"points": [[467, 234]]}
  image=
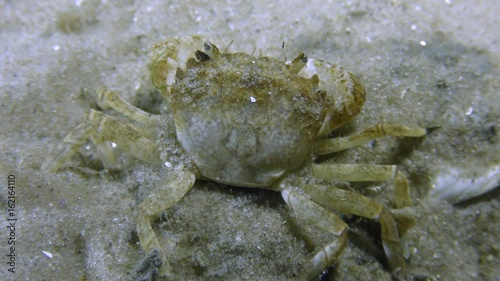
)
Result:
{"points": [[211, 50], [201, 56], [298, 63], [304, 58], [207, 46]]}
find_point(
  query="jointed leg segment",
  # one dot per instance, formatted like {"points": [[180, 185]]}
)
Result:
{"points": [[354, 172], [353, 203], [367, 172], [316, 207], [101, 129], [380, 130], [323, 218], [393, 234], [344, 201], [109, 99], [164, 198], [70, 145]]}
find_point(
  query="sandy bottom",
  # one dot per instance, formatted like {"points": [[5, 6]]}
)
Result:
{"points": [[429, 64]]}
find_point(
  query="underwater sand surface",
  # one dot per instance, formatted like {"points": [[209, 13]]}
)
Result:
{"points": [[429, 63]]}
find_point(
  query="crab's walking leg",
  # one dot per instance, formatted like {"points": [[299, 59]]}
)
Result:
{"points": [[379, 130], [393, 235], [164, 198], [104, 149], [71, 143], [101, 127], [109, 99], [354, 172], [367, 172], [393, 245], [323, 218]]}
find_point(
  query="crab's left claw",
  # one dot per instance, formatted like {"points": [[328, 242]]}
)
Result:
{"points": [[345, 94], [169, 55]]}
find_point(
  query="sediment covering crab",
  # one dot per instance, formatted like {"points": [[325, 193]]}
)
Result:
{"points": [[254, 122]]}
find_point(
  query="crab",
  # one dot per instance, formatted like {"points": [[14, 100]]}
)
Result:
{"points": [[253, 122]]}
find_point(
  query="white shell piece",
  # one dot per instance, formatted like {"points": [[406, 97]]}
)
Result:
{"points": [[48, 254], [453, 186]]}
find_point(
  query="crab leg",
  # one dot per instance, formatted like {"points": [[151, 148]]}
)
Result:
{"points": [[104, 149], [345, 201], [367, 172], [324, 219], [354, 172], [109, 99], [392, 243], [70, 145], [379, 130], [393, 235], [164, 198], [126, 137], [100, 127], [352, 203]]}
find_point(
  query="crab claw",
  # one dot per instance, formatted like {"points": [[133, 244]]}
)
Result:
{"points": [[345, 94]]}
